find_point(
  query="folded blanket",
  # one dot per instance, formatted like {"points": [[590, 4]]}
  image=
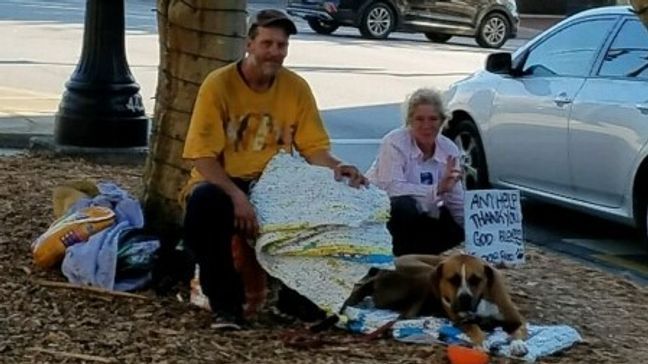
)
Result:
{"points": [[318, 236]]}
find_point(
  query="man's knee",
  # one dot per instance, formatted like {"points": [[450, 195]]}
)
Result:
{"points": [[207, 196], [209, 215]]}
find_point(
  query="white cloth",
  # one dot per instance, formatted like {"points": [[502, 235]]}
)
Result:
{"points": [[399, 166]]}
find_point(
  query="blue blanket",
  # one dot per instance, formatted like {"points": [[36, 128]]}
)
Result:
{"points": [[541, 341]]}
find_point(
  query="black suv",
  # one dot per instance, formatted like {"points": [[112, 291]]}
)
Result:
{"points": [[491, 22]]}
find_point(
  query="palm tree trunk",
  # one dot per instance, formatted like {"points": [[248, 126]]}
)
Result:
{"points": [[196, 37]]}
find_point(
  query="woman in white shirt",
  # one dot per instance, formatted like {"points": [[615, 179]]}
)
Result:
{"points": [[418, 167]]}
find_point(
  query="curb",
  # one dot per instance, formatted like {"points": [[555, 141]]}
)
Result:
{"points": [[128, 156], [17, 140], [588, 256]]}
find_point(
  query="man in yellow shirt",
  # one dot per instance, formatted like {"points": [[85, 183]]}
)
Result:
{"points": [[244, 114]]}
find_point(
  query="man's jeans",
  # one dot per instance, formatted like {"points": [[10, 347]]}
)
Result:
{"points": [[209, 227]]}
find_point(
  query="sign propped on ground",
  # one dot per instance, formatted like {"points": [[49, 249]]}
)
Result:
{"points": [[493, 225]]}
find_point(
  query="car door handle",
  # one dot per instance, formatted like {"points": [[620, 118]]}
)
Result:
{"points": [[643, 108], [562, 99]]}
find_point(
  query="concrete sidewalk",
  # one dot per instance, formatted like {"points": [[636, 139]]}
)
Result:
{"points": [[24, 114]]}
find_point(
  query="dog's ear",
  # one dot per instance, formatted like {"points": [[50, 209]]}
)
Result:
{"points": [[490, 275]]}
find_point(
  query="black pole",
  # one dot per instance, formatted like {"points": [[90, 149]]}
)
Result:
{"points": [[101, 106]]}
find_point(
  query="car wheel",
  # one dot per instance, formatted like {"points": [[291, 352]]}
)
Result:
{"points": [[471, 149], [323, 26], [437, 37], [377, 22], [493, 31]]}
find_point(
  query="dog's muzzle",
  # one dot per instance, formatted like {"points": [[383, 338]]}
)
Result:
{"points": [[465, 302], [465, 305]]}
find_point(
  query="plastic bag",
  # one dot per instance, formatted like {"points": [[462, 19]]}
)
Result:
{"points": [[135, 258]]}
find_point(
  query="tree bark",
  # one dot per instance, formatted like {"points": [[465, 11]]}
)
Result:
{"points": [[196, 37], [641, 7]]}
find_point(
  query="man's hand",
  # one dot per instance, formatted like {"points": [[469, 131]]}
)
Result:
{"points": [[356, 179], [245, 220], [324, 158], [451, 175]]}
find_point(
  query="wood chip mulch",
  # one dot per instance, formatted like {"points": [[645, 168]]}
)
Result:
{"points": [[44, 324]]}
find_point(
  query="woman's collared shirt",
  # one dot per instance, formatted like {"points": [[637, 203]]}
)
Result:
{"points": [[400, 170]]}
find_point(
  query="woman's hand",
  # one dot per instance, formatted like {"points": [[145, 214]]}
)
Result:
{"points": [[451, 175]]}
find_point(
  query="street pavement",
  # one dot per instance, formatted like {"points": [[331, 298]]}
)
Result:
{"points": [[44, 41], [359, 85]]}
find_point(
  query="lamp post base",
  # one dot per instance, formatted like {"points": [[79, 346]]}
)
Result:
{"points": [[101, 106]]}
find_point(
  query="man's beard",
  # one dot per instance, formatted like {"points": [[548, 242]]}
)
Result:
{"points": [[270, 69]]}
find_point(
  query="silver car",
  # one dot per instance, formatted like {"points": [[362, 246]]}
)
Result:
{"points": [[564, 118]]}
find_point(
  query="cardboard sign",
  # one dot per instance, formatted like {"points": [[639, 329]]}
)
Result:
{"points": [[493, 225]]}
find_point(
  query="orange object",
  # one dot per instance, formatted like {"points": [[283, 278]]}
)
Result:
{"points": [[49, 249], [463, 355], [253, 276], [254, 279]]}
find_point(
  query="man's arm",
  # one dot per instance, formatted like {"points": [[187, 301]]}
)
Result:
{"points": [[244, 215], [324, 158], [214, 173]]}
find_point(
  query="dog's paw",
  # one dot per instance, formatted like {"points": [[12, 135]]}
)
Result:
{"points": [[518, 348]]}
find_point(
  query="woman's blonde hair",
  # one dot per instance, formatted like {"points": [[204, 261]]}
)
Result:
{"points": [[423, 96]]}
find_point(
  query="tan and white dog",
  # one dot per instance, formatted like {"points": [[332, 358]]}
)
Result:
{"points": [[461, 287]]}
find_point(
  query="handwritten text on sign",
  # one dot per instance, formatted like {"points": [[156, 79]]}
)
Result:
{"points": [[493, 225]]}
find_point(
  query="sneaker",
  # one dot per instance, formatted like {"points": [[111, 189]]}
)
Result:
{"points": [[224, 320]]}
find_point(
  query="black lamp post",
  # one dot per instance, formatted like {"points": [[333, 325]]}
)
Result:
{"points": [[102, 106]]}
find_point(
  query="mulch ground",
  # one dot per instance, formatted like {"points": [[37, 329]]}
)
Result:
{"points": [[40, 324]]}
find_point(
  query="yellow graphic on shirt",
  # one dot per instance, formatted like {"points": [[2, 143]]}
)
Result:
{"points": [[255, 132]]}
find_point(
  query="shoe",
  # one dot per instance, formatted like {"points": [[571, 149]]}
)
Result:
{"points": [[226, 321]]}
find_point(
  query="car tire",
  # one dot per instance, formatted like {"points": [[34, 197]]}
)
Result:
{"points": [[465, 135], [645, 223], [493, 31], [642, 219], [323, 26], [377, 22], [437, 37]]}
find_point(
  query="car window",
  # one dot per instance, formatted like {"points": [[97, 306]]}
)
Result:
{"points": [[570, 51], [628, 54]]}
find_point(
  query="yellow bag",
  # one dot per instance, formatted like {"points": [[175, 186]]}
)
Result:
{"points": [[67, 194], [49, 248]]}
